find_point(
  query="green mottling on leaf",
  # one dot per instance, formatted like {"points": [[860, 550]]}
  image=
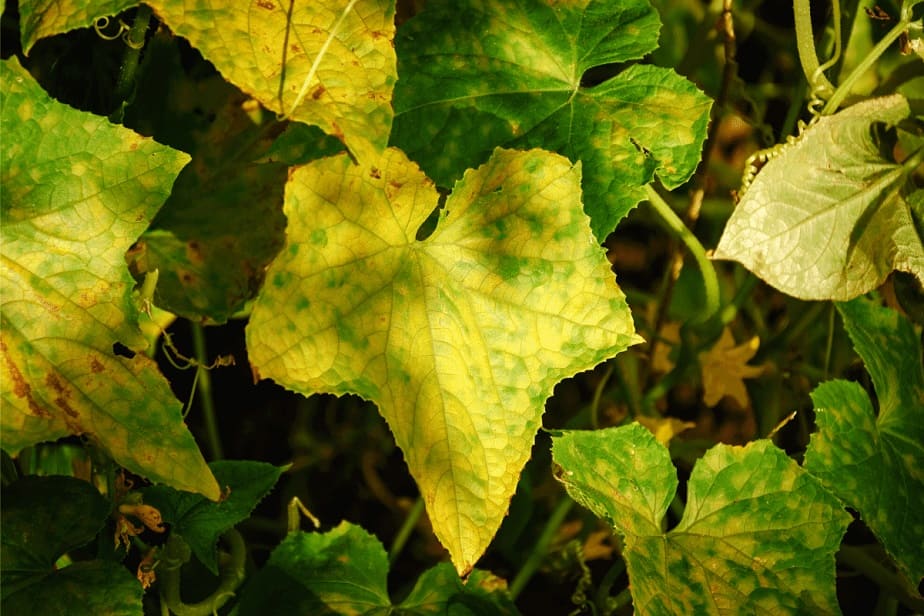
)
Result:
{"points": [[758, 534], [67, 293], [513, 79], [423, 329]]}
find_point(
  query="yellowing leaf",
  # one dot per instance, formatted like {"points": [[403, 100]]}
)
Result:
{"points": [[77, 191], [724, 368], [459, 338], [333, 60], [329, 63]]}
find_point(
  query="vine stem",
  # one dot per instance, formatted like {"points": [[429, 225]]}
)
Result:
{"points": [[844, 88], [134, 42], [805, 43], [541, 548], [675, 225], [404, 533], [231, 575], [204, 381]]}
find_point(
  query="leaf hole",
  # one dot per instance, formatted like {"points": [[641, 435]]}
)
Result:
{"points": [[121, 350], [428, 226]]}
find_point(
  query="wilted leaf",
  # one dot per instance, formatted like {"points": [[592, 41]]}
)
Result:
{"points": [[458, 338], [345, 571], [475, 75], [830, 217], [77, 191], [665, 428], [724, 368], [876, 464], [201, 522], [758, 534]]}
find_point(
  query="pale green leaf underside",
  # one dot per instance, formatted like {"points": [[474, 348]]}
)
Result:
{"points": [[459, 338], [77, 191], [268, 51], [830, 218], [875, 464], [478, 74], [758, 534]]}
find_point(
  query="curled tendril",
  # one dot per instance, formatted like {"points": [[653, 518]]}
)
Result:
{"points": [[102, 23]]}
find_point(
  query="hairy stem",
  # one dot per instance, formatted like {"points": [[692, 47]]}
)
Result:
{"points": [[805, 42], [859, 559]]}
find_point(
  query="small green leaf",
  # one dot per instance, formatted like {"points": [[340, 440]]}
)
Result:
{"points": [[475, 75], [830, 217], [345, 570], [758, 534], [201, 522], [77, 192], [460, 338], [876, 464], [42, 519]]}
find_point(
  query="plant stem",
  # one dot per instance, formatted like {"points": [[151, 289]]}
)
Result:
{"points": [[541, 548], [134, 42], [805, 42], [603, 590], [231, 575], [858, 559], [598, 392], [404, 533], [674, 224], [204, 379], [844, 89]]}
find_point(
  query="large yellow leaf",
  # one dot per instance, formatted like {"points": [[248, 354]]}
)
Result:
{"points": [[458, 338]]}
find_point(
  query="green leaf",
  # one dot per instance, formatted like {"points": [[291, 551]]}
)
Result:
{"points": [[77, 191], [345, 570], [758, 534], [876, 464], [459, 338], [201, 522], [475, 75], [42, 519], [42, 18], [830, 217]]}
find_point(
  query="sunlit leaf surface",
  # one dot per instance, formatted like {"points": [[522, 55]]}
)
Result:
{"points": [[458, 338], [758, 534], [77, 191], [831, 217]]}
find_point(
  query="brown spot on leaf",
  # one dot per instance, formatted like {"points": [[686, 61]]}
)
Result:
{"points": [[55, 384], [318, 92], [265, 4], [95, 366], [375, 173], [194, 252], [21, 389]]}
